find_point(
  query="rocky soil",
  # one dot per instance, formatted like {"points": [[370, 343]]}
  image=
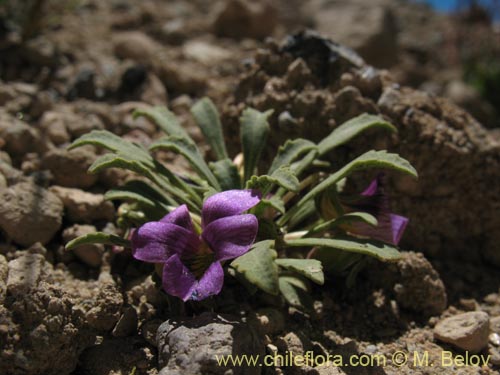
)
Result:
{"points": [[88, 64]]}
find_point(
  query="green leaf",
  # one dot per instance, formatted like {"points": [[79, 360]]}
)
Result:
{"points": [[290, 151], [274, 202], [300, 166], [126, 150], [282, 176], [299, 214], [118, 161], [190, 152], [226, 173], [98, 237], [134, 157], [165, 119], [296, 292], [207, 118], [335, 262], [375, 249], [141, 192], [346, 219], [350, 129], [370, 159], [254, 133], [310, 268], [257, 266]]}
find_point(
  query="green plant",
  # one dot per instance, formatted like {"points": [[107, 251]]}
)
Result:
{"points": [[296, 204]]}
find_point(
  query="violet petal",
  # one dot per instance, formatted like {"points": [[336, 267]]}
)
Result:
{"points": [[230, 237], [390, 228], [228, 203], [179, 216], [156, 241], [177, 279], [210, 283]]}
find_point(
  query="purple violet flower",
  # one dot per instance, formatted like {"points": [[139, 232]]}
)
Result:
{"points": [[192, 263], [373, 200]]}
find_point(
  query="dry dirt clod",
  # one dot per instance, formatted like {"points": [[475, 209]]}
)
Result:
{"points": [[83, 207], [25, 273], [70, 167], [135, 45], [246, 19], [29, 213], [468, 331]]}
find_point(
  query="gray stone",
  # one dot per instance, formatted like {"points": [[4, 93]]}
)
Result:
{"points": [[29, 213], [190, 346], [468, 331]]}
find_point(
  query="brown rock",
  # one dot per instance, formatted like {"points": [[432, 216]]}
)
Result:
{"points": [[29, 213], [418, 286], [51, 123], [4, 271], [83, 207], [25, 273], [70, 167], [468, 331], [368, 27], [135, 45], [246, 19]]}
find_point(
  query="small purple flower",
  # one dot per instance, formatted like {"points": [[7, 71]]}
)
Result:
{"points": [[373, 200], [192, 263]]}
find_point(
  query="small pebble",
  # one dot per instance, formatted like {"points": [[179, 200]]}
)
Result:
{"points": [[495, 339]]}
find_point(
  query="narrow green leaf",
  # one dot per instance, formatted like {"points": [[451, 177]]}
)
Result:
{"points": [[139, 191], [165, 119], [127, 150], [375, 249], [289, 152], [190, 152], [257, 266], [310, 268], [118, 161], [296, 292], [98, 237], [282, 176], [226, 173], [350, 129], [370, 159], [134, 157], [299, 214], [300, 166], [254, 133], [207, 118], [335, 262], [349, 218]]}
